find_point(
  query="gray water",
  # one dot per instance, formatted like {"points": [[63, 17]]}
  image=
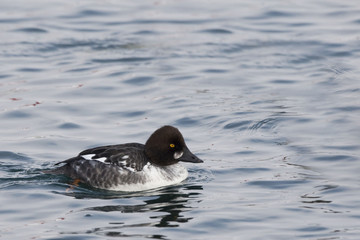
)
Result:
{"points": [[266, 92]]}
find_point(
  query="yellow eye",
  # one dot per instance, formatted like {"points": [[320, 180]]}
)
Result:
{"points": [[172, 145]]}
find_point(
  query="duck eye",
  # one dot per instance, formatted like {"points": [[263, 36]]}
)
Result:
{"points": [[172, 145]]}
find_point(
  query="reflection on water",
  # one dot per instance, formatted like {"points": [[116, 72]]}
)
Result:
{"points": [[165, 207]]}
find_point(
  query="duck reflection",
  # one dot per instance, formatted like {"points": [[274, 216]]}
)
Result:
{"points": [[161, 208], [150, 210]]}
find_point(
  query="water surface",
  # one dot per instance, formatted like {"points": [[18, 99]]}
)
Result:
{"points": [[267, 93]]}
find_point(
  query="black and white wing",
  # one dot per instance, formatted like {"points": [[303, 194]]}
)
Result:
{"points": [[107, 166], [129, 156]]}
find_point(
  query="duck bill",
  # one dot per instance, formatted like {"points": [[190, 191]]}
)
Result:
{"points": [[188, 156]]}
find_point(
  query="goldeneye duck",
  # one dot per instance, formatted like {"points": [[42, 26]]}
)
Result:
{"points": [[132, 166]]}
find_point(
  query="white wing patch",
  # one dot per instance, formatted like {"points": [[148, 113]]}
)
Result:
{"points": [[91, 157], [123, 164], [102, 159], [88, 156]]}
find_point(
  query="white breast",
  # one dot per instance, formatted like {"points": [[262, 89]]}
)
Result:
{"points": [[155, 177]]}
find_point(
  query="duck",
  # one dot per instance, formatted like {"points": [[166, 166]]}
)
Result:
{"points": [[131, 167]]}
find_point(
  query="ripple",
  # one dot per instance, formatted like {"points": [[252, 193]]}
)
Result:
{"points": [[92, 13], [312, 229], [267, 123], [128, 114], [69, 126], [303, 59], [94, 44], [186, 121], [216, 31], [198, 176], [14, 20], [271, 14], [18, 114], [139, 81], [30, 70], [161, 21], [31, 30], [147, 32], [117, 73], [215, 71], [274, 14], [87, 13], [65, 44], [5, 76], [335, 158], [330, 188], [238, 125], [181, 78], [110, 45], [280, 184], [127, 59], [283, 81], [342, 147], [80, 69], [299, 24], [348, 108], [13, 156], [339, 53], [356, 21]]}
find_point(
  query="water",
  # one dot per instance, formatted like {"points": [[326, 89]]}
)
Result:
{"points": [[267, 93]]}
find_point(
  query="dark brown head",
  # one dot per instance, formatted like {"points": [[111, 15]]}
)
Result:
{"points": [[166, 146]]}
